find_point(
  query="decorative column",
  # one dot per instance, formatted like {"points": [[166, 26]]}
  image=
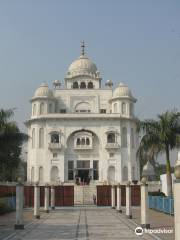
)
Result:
{"points": [[128, 201], [52, 197], [36, 201], [19, 205], [113, 196], [177, 198], [46, 198], [144, 203], [119, 198]]}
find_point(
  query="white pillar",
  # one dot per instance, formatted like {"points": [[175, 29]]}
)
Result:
{"points": [[113, 196], [46, 199], [177, 208], [144, 206], [19, 206], [119, 198], [128, 201], [36, 201], [52, 197]]}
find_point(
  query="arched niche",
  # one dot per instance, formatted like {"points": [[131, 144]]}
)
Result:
{"points": [[83, 107], [54, 174], [111, 175]]}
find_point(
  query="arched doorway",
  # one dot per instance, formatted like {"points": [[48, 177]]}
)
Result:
{"points": [[82, 170]]}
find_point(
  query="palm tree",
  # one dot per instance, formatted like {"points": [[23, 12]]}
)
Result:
{"points": [[11, 140], [161, 135]]}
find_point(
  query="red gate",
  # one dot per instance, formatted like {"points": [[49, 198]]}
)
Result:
{"points": [[104, 195], [64, 195]]}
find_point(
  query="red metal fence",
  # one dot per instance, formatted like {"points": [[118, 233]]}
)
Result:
{"points": [[64, 195], [104, 195]]}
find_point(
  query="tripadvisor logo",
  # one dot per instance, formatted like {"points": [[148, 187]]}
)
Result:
{"points": [[139, 231]]}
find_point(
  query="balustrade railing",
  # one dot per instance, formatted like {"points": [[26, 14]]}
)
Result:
{"points": [[162, 204]]}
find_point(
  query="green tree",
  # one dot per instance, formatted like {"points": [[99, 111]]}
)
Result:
{"points": [[161, 135], [11, 140]]}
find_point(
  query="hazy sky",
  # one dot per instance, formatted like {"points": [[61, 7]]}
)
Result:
{"points": [[136, 42]]}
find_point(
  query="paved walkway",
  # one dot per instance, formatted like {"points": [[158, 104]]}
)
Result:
{"points": [[78, 223]]}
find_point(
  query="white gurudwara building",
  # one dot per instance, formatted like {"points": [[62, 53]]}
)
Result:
{"points": [[83, 131]]}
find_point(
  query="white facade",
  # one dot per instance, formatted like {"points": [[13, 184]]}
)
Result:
{"points": [[82, 130]]}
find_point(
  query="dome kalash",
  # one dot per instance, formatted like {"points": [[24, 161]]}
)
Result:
{"points": [[123, 91], [43, 91], [82, 66]]}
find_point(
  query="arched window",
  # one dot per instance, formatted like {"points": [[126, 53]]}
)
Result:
{"points": [[41, 177], [83, 85], [87, 141], [83, 141], [33, 138], [41, 108], [111, 138], [124, 137], [54, 174], [125, 174], [132, 137], [54, 138], [90, 85], [75, 85], [78, 141], [123, 108], [50, 108], [41, 138], [131, 110], [115, 107], [34, 109], [32, 174]]}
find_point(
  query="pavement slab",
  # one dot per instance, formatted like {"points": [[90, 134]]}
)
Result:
{"points": [[78, 223]]}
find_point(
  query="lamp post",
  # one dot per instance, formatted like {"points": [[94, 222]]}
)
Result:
{"points": [[19, 204], [36, 200], [46, 198], [177, 198], [148, 171], [113, 196], [119, 198], [52, 197], [128, 200]]}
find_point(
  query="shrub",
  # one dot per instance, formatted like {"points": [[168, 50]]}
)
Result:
{"points": [[4, 208], [156, 193], [10, 194]]}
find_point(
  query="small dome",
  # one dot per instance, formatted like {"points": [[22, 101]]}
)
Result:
{"points": [[43, 91], [148, 169], [82, 66], [122, 91]]}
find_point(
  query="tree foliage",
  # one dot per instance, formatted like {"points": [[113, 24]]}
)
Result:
{"points": [[159, 136], [11, 140]]}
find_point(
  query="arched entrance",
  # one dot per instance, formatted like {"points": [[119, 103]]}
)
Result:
{"points": [[82, 157]]}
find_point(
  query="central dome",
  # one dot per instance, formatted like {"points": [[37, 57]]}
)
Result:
{"points": [[82, 66]]}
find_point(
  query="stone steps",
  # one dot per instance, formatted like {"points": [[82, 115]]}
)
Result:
{"points": [[83, 195]]}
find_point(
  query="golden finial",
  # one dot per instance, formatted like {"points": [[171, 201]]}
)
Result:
{"points": [[82, 48]]}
